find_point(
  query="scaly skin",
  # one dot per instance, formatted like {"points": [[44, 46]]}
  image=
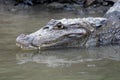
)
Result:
{"points": [[111, 35], [78, 32]]}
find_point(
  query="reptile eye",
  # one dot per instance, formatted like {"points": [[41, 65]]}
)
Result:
{"points": [[59, 26]]}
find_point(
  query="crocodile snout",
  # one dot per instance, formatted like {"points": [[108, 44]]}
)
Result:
{"points": [[24, 41]]}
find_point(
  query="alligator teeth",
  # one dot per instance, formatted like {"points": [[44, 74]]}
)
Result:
{"points": [[32, 47], [39, 47], [17, 44], [21, 46], [26, 47]]}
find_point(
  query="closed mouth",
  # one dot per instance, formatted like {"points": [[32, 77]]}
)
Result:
{"points": [[22, 42]]}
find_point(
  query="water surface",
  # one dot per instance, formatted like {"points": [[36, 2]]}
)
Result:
{"points": [[100, 63]]}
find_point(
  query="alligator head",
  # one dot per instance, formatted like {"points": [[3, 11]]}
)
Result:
{"points": [[61, 33]]}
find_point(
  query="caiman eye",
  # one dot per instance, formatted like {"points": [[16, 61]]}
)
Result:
{"points": [[59, 26]]}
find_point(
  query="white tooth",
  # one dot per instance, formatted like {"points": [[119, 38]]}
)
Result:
{"points": [[39, 47], [30, 46], [17, 44], [21, 46]]}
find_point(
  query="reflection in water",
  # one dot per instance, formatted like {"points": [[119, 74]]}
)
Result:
{"points": [[109, 52], [61, 58], [51, 61]]}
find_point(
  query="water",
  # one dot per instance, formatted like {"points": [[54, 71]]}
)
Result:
{"points": [[102, 63]]}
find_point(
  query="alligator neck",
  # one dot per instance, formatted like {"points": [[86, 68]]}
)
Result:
{"points": [[111, 33]]}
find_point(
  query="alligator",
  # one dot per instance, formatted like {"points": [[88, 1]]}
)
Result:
{"points": [[77, 32]]}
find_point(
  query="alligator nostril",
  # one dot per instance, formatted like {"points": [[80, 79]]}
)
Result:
{"points": [[22, 35], [39, 35], [46, 27]]}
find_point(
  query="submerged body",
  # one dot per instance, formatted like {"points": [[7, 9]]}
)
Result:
{"points": [[78, 32]]}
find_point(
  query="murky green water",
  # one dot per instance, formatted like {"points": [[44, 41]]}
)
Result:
{"points": [[101, 63]]}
